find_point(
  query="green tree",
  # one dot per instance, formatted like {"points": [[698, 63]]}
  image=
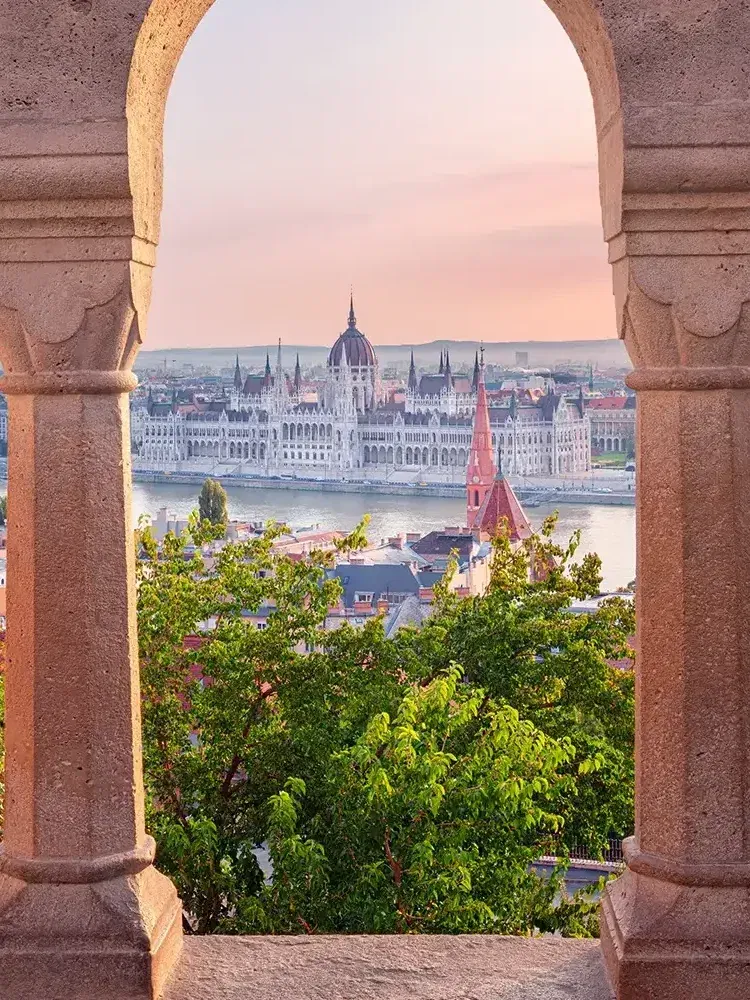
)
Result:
{"points": [[3, 509], [432, 821], [353, 756], [212, 502], [567, 673]]}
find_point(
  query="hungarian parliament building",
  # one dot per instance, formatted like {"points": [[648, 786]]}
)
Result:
{"points": [[267, 425]]}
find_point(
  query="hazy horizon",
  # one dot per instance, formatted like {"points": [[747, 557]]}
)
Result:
{"points": [[440, 160]]}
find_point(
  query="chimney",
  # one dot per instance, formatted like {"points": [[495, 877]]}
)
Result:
{"points": [[397, 541], [383, 606], [426, 595]]}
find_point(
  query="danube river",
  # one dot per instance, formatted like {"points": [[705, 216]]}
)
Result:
{"points": [[609, 531]]}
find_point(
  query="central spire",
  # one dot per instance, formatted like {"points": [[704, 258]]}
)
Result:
{"points": [[352, 317], [481, 470]]}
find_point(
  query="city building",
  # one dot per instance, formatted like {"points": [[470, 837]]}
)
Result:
{"points": [[267, 426], [612, 420]]}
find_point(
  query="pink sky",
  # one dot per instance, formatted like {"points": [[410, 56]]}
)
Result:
{"points": [[438, 157]]}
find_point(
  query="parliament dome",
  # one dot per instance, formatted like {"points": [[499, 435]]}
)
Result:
{"points": [[358, 349]]}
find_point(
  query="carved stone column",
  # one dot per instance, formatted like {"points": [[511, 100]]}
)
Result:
{"points": [[83, 913], [677, 924]]}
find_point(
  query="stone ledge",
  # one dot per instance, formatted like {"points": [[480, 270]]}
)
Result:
{"points": [[467, 967]]}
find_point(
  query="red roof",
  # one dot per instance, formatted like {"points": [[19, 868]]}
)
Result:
{"points": [[607, 403], [502, 511]]}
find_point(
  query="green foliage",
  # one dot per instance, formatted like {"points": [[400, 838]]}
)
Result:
{"points": [[395, 791], [432, 822], [212, 503], [3, 510], [562, 671]]}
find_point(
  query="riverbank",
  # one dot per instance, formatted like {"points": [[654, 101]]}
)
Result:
{"points": [[530, 496]]}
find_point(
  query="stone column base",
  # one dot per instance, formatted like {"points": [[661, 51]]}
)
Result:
{"points": [[666, 941], [112, 940]]}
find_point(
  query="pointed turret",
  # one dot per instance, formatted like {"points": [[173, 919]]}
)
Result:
{"points": [[475, 377], [237, 374], [513, 405], [297, 376], [481, 470], [501, 511], [352, 318], [447, 372], [441, 369], [591, 378], [412, 385]]}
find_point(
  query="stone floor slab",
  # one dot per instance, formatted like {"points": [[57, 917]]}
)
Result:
{"points": [[469, 967]]}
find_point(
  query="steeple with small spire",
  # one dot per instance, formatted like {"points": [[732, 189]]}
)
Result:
{"points": [[441, 370], [297, 376], [447, 372], [412, 384], [475, 377], [237, 374], [501, 511], [352, 318], [481, 469]]}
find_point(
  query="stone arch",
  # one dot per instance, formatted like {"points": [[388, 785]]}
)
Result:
{"points": [[399, 456], [678, 127], [389, 455], [381, 455], [366, 454], [408, 456]]}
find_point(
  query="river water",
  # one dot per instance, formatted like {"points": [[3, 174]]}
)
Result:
{"points": [[609, 531]]}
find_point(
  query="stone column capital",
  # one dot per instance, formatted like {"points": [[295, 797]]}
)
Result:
{"points": [[685, 311], [71, 326]]}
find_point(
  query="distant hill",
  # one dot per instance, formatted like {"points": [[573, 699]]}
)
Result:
{"points": [[608, 353]]}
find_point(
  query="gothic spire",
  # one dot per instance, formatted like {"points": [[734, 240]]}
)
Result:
{"points": [[297, 375], [237, 374], [412, 375], [481, 470], [448, 375], [513, 405], [352, 317], [475, 377], [441, 370], [268, 364]]}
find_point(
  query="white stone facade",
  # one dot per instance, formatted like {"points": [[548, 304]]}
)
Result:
{"points": [[265, 428]]}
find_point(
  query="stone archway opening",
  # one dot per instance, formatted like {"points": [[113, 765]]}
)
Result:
{"points": [[82, 117]]}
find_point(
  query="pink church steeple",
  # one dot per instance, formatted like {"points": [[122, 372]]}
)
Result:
{"points": [[481, 471]]}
